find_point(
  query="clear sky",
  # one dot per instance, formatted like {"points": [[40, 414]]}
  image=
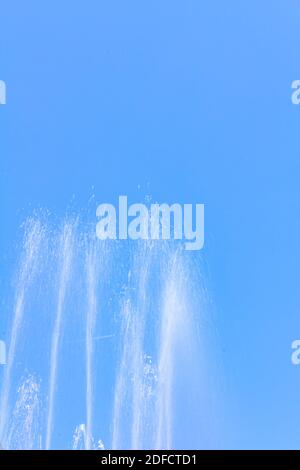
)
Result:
{"points": [[188, 102]]}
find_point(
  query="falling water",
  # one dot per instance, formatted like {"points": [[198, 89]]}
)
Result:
{"points": [[66, 249], [79, 437], [29, 260], [174, 317], [24, 432], [130, 378], [123, 349], [92, 269]]}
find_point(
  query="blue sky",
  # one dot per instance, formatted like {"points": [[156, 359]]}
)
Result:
{"points": [[186, 102]]}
